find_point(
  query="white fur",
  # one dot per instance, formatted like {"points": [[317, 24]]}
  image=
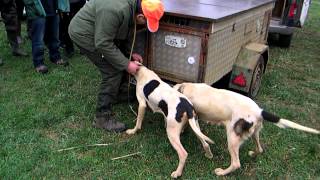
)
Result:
{"points": [[173, 127]]}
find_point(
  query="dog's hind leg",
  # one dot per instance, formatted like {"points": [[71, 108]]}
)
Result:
{"points": [[174, 138], [234, 143], [205, 145], [256, 139], [141, 112]]}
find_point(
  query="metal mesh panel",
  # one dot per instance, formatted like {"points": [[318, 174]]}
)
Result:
{"points": [[172, 60], [140, 43], [224, 45], [185, 22]]}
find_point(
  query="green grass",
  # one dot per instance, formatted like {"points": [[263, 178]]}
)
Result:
{"points": [[40, 114]]}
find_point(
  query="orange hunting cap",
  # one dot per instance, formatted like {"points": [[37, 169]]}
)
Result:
{"points": [[153, 11]]}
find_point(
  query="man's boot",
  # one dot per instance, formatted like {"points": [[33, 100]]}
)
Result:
{"points": [[17, 51], [107, 121]]}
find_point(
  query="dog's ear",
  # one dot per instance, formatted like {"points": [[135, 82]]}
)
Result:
{"points": [[179, 87], [242, 126]]}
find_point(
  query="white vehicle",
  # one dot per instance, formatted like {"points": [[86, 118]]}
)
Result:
{"points": [[286, 16]]}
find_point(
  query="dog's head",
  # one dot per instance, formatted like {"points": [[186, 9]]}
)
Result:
{"points": [[140, 70], [145, 73]]}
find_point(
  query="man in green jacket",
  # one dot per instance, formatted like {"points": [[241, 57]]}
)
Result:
{"points": [[98, 29]]}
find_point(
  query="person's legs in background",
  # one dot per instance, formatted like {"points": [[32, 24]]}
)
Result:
{"points": [[51, 39], [20, 7], [9, 16], [65, 21], [29, 28], [66, 42], [37, 34]]}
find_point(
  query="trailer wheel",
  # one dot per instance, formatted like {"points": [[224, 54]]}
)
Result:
{"points": [[256, 78], [285, 40]]}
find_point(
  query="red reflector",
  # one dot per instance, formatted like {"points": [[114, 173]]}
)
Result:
{"points": [[293, 9], [240, 80]]}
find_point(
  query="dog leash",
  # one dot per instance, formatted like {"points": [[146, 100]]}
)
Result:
{"points": [[129, 75]]}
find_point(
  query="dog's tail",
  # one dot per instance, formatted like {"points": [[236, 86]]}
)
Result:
{"points": [[284, 123], [195, 128]]}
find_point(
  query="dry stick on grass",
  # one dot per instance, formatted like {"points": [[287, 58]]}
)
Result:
{"points": [[121, 157], [91, 145]]}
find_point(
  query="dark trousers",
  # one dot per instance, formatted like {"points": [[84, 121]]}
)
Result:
{"points": [[65, 19], [45, 30], [20, 7], [110, 83], [9, 16]]}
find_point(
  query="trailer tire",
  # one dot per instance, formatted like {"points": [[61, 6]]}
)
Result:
{"points": [[256, 78], [285, 40]]}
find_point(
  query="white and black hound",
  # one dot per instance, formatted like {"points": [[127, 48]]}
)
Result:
{"points": [[175, 107], [241, 116]]}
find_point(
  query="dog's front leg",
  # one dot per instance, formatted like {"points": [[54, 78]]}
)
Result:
{"points": [[141, 112], [234, 143]]}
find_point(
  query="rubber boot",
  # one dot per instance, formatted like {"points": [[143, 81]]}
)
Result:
{"points": [[17, 51], [108, 122], [15, 47]]}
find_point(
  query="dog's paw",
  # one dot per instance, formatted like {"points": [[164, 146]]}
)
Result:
{"points": [[252, 153], [219, 172], [175, 174], [209, 155], [131, 131]]}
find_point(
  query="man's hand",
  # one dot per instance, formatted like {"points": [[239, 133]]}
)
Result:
{"points": [[133, 67], [136, 57]]}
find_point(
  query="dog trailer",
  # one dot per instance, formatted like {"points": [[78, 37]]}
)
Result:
{"points": [[206, 40]]}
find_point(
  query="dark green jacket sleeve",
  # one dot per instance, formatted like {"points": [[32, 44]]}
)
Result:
{"points": [[106, 28]]}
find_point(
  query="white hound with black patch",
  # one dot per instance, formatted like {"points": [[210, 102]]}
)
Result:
{"points": [[175, 107], [241, 116]]}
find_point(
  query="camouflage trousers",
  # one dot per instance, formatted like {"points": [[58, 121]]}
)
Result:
{"points": [[9, 17]]}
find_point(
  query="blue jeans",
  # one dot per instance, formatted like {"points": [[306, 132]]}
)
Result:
{"points": [[45, 30]]}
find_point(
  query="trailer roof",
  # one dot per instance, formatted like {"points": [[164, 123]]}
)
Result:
{"points": [[211, 10]]}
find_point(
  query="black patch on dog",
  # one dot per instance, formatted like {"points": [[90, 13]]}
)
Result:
{"points": [[164, 107], [242, 126], [184, 106], [150, 87], [270, 117]]}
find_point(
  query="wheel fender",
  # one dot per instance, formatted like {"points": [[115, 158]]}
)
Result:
{"points": [[244, 66]]}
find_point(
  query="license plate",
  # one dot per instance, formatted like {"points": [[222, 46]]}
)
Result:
{"points": [[175, 41]]}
